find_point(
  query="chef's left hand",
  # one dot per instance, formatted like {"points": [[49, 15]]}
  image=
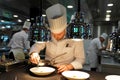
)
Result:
{"points": [[62, 68]]}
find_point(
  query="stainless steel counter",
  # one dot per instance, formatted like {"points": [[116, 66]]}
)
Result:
{"points": [[23, 74], [4, 49], [108, 64]]}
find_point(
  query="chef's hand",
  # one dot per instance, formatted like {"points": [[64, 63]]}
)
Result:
{"points": [[62, 68], [34, 58]]}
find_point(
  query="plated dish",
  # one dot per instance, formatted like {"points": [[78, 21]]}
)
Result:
{"points": [[42, 71]]}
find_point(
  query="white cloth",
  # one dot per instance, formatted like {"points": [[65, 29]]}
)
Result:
{"points": [[71, 52], [18, 43], [92, 51], [18, 54]]}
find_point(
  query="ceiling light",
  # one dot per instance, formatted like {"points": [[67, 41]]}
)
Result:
{"points": [[3, 27], [107, 15], [27, 19], [2, 21], [43, 15], [69, 6], [107, 19], [108, 11], [19, 20], [110, 4], [8, 26], [15, 15]]}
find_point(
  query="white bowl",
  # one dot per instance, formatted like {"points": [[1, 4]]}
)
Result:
{"points": [[75, 75], [42, 71], [112, 77]]}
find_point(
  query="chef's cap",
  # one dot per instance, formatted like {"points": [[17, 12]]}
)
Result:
{"points": [[27, 24], [104, 35], [56, 15]]}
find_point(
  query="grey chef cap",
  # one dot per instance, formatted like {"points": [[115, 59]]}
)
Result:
{"points": [[104, 35]]}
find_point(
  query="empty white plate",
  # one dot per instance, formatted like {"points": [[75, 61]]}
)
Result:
{"points": [[112, 77], [75, 75]]}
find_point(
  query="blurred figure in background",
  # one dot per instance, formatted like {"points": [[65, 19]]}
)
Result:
{"points": [[95, 46], [19, 42], [65, 54]]}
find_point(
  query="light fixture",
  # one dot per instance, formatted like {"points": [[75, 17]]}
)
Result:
{"points": [[19, 20], [78, 29], [27, 19], [111, 4], [43, 15], [39, 32], [3, 27], [107, 19], [108, 15], [108, 11], [8, 26], [15, 15], [69, 6], [2, 21]]}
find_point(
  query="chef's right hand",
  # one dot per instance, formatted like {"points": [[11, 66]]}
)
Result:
{"points": [[34, 58]]}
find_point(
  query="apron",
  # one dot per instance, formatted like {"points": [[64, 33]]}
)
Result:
{"points": [[93, 59], [18, 54]]}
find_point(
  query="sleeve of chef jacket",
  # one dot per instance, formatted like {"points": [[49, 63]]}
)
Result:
{"points": [[99, 45], [79, 55], [37, 47]]}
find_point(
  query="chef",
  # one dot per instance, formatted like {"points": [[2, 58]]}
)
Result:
{"points": [[95, 46], [19, 42], [65, 54]]}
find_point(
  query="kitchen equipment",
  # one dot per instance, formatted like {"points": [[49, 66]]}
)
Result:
{"points": [[42, 71], [112, 77], [11, 65], [75, 75]]}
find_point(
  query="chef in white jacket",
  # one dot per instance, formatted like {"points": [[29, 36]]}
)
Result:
{"points": [[65, 54], [95, 46], [19, 42]]}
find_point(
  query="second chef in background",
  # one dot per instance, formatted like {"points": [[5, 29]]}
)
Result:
{"points": [[66, 54], [94, 48], [19, 42]]}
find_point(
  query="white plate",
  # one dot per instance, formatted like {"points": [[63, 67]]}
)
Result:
{"points": [[112, 77], [75, 75], [42, 70]]}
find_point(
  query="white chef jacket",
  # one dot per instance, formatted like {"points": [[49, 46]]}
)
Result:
{"points": [[18, 43], [94, 47], [69, 52]]}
